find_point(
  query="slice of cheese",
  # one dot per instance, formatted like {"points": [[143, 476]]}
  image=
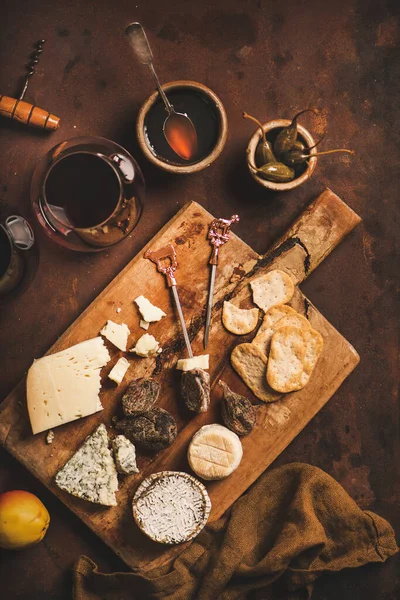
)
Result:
{"points": [[116, 334], [124, 455], [214, 452], [65, 386], [146, 346], [119, 370], [197, 362], [91, 474], [149, 312]]}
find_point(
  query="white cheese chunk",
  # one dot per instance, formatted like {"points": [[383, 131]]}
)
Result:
{"points": [[149, 312], [118, 309], [144, 324], [214, 452], [171, 507], [197, 362], [91, 474], [146, 346], [65, 386], [116, 334], [50, 437], [119, 370], [124, 455]]}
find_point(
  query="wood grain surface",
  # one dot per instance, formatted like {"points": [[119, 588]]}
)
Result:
{"points": [[314, 235]]}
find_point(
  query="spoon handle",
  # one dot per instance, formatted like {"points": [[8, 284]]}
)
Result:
{"points": [[141, 47]]}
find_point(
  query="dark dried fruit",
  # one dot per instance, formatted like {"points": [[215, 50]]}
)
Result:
{"points": [[152, 430], [195, 389], [140, 396], [238, 413]]}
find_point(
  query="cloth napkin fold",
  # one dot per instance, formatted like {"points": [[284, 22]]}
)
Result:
{"points": [[294, 524]]}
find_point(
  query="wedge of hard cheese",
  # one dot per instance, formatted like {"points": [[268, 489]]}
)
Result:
{"points": [[65, 386]]}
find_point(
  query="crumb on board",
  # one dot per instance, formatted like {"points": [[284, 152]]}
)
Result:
{"points": [[50, 436]]}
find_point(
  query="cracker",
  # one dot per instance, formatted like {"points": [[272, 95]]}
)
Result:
{"points": [[314, 346], [285, 363], [274, 314], [263, 340], [276, 287], [251, 365], [239, 320]]}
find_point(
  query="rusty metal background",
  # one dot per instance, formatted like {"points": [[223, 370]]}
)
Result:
{"points": [[270, 59]]}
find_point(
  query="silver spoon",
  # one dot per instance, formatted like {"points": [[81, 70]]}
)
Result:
{"points": [[178, 129]]}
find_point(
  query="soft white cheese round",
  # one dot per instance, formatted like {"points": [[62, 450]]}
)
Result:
{"points": [[214, 452], [171, 507]]}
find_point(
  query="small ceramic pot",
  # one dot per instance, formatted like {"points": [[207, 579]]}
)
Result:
{"points": [[308, 141], [221, 138]]}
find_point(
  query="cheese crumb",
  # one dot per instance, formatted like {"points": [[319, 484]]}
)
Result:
{"points": [[146, 346], [144, 324], [118, 310], [116, 334], [50, 437], [119, 370], [197, 362], [149, 312]]}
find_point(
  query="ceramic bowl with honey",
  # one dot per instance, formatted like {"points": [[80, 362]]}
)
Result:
{"points": [[205, 110]]}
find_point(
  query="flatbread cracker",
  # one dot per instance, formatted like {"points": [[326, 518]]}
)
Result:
{"points": [[276, 287], [274, 314], [251, 365], [285, 363], [263, 340], [239, 320], [314, 346]]}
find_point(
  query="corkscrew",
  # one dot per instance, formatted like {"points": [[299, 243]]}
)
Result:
{"points": [[24, 112]]}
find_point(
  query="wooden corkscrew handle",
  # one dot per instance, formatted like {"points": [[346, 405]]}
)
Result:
{"points": [[26, 113]]}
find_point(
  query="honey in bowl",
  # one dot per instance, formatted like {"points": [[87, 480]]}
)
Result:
{"points": [[204, 116]]}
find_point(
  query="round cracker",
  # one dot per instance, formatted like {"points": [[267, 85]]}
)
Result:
{"points": [[263, 340], [239, 320], [251, 364], [285, 363], [276, 287], [314, 346]]}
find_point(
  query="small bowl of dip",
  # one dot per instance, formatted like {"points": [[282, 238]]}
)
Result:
{"points": [[205, 110]]}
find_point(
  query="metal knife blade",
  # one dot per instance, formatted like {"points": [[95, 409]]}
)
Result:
{"points": [[182, 320], [209, 304]]}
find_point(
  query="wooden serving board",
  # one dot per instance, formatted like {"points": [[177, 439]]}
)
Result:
{"points": [[321, 227]]}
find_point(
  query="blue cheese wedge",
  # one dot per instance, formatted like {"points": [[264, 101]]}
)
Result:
{"points": [[116, 334], [119, 370], [124, 455], [171, 507], [149, 312], [65, 386], [91, 474]]}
